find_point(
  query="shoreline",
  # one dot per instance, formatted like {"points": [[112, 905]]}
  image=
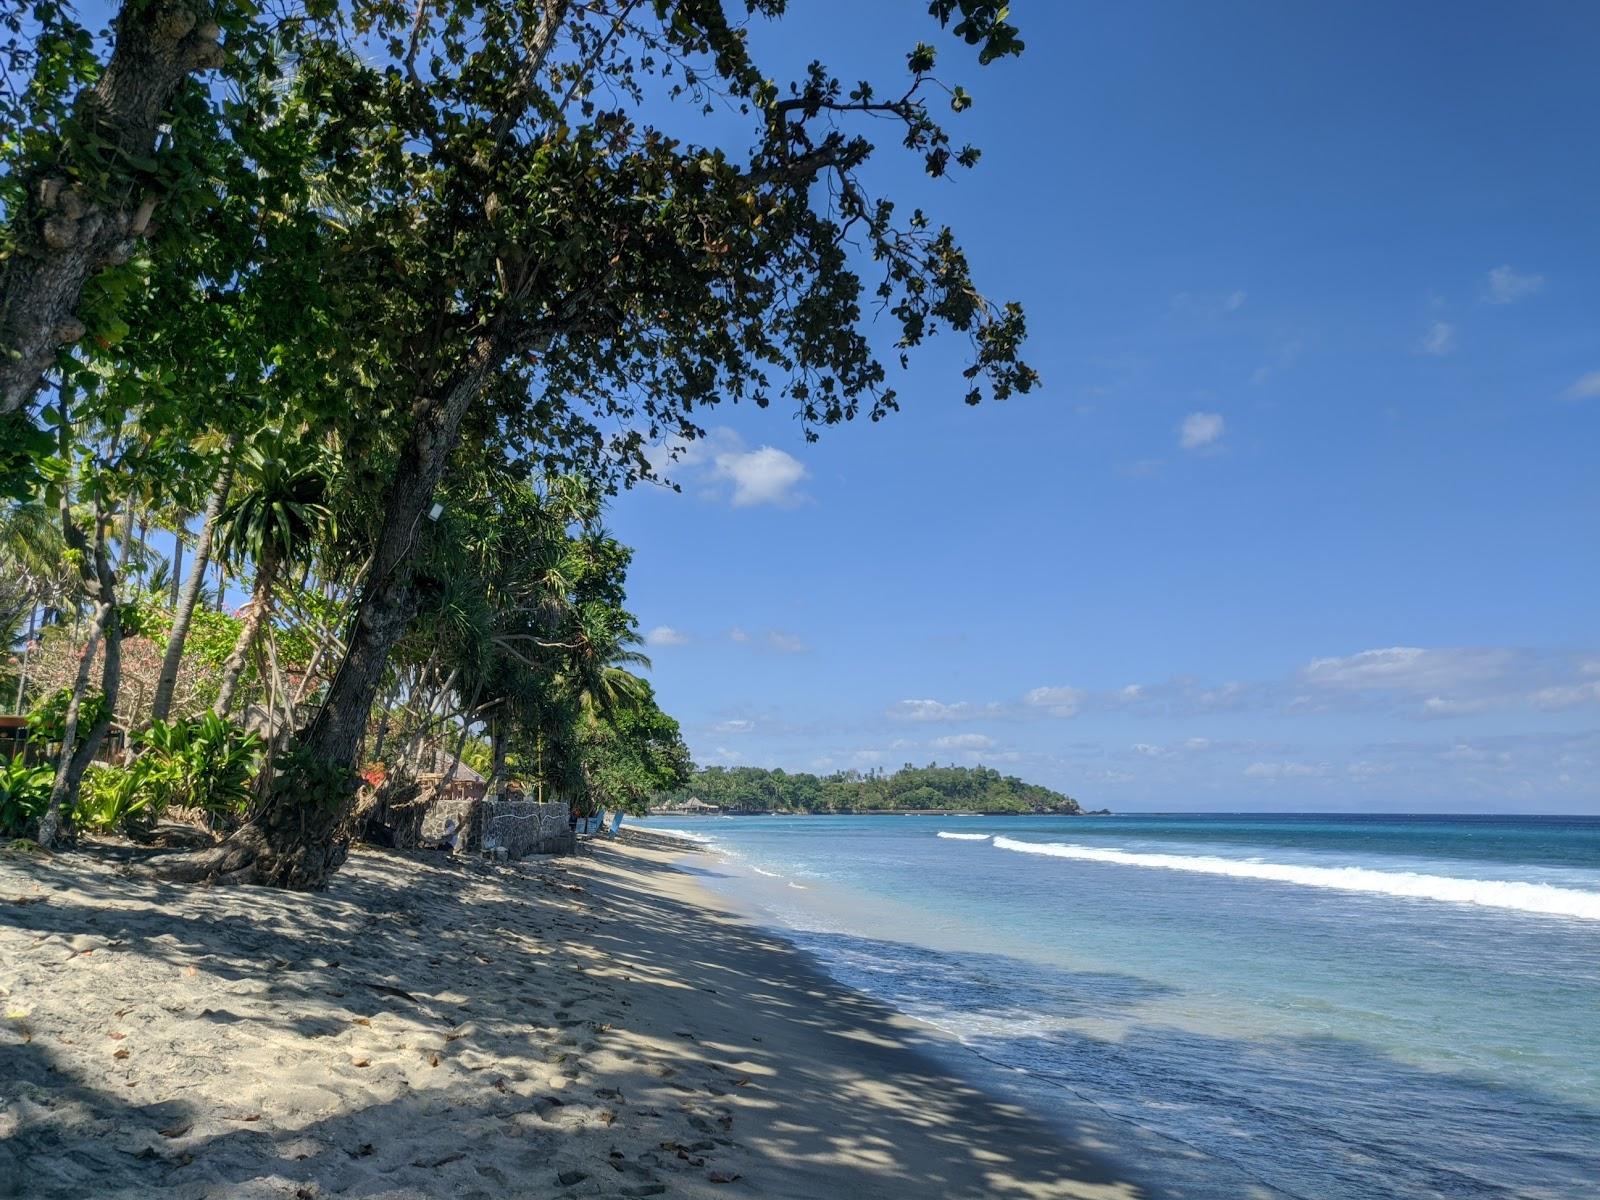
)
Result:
{"points": [[562, 1027], [865, 812]]}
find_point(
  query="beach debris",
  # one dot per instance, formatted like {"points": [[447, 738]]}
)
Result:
{"points": [[176, 1131], [439, 1162], [568, 1178], [720, 1177], [122, 1052], [365, 1150], [360, 1062], [389, 991]]}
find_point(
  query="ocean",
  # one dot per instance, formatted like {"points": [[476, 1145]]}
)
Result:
{"points": [[1315, 1006]]}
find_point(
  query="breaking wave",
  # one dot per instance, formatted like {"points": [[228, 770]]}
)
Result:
{"points": [[1543, 898]]}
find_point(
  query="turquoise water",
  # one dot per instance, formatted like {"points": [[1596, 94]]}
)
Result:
{"points": [[1330, 1006]]}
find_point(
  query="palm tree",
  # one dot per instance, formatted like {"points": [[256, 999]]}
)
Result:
{"points": [[194, 586], [274, 522], [33, 566]]}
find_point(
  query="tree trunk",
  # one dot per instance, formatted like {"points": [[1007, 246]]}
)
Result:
{"points": [[65, 232], [27, 650], [302, 835], [383, 733], [167, 682], [176, 582], [50, 823], [125, 539], [497, 776], [76, 753], [260, 607]]}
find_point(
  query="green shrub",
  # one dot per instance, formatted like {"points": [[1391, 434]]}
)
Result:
{"points": [[116, 798], [206, 764], [24, 795], [47, 721]]}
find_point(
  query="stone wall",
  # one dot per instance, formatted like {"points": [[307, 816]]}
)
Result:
{"points": [[525, 827], [517, 827], [466, 815]]}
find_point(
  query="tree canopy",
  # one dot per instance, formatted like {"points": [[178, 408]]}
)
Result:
{"points": [[356, 281]]}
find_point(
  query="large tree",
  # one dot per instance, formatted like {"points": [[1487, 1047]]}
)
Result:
{"points": [[530, 261], [88, 180]]}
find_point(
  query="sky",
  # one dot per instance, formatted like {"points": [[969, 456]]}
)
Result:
{"points": [[1304, 514]]}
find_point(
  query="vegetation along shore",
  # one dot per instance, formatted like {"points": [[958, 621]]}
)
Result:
{"points": [[927, 789]]}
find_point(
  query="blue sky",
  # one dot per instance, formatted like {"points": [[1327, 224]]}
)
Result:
{"points": [[1305, 513]]}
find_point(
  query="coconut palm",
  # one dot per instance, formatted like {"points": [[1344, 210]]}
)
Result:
{"points": [[34, 576], [192, 593]]}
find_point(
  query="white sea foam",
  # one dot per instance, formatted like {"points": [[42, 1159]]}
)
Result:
{"points": [[1540, 898], [683, 834], [768, 874], [964, 837]]}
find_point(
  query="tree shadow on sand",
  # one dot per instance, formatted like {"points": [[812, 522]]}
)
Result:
{"points": [[593, 995]]}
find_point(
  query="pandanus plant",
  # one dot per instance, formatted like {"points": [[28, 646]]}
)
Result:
{"points": [[274, 520]]}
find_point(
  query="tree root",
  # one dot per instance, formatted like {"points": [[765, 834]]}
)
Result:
{"points": [[235, 861]]}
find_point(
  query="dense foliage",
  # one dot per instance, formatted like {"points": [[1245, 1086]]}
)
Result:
{"points": [[370, 306], [930, 788]]}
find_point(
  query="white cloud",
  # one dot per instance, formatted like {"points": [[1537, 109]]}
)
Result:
{"points": [[963, 741], [1568, 696], [1586, 387], [1284, 770], [1369, 770], [681, 456], [1505, 286], [666, 635], [1200, 429], [1057, 701], [929, 710], [1409, 668], [738, 635], [1444, 706], [1149, 751], [785, 643], [1439, 340], [719, 458], [765, 475], [734, 726]]}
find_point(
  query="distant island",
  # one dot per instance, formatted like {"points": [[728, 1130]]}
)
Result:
{"points": [[911, 789]]}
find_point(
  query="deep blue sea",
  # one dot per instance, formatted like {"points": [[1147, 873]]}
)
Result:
{"points": [[1315, 1006]]}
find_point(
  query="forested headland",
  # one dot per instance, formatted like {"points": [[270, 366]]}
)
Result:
{"points": [[911, 789]]}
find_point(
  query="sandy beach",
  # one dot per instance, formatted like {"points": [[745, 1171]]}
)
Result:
{"points": [[589, 1026]]}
